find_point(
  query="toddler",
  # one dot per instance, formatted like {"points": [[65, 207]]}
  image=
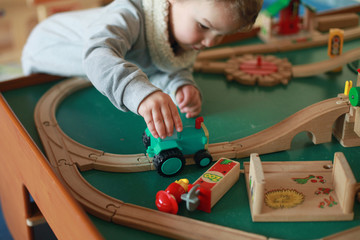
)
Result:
{"points": [[138, 53]]}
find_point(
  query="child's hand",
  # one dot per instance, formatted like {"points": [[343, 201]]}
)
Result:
{"points": [[189, 100], [160, 114]]}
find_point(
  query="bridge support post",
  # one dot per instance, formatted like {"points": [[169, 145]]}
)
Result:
{"points": [[347, 128]]}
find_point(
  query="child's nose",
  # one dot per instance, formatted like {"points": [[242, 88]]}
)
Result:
{"points": [[208, 42], [211, 41]]}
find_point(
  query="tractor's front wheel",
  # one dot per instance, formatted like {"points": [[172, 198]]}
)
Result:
{"points": [[169, 162]]}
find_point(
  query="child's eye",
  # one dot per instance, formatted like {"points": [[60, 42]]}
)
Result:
{"points": [[201, 26]]}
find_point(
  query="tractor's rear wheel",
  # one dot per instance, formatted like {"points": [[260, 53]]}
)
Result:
{"points": [[203, 158], [146, 140]]}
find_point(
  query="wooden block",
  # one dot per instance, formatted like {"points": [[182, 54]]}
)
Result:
{"points": [[344, 182], [344, 129], [215, 182], [357, 121], [345, 20], [256, 184]]}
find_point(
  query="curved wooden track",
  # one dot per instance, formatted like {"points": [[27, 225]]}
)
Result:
{"points": [[61, 147], [311, 69], [317, 119], [279, 46], [68, 158]]}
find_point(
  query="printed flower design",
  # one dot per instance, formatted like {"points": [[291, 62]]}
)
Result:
{"points": [[283, 198]]}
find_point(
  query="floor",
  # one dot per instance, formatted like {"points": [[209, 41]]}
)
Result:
{"points": [[41, 232], [4, 232]]}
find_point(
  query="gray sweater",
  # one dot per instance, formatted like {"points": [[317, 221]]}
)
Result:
{"points": [[108, 45]]}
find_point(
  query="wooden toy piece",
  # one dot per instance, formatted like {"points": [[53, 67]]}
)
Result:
{"points": [[269, 70], [300, 191], [256, 184], [57, 143], [280, 46], [335, 44], [251, 69], [213, 184], [344, 183], [288, 22], [306, 70], [357, 121], [354, 98], [352, 233], [309, 20], [262, 70], [176, 227], [317, 120], [59, 146], [345, 20], [347, 127]]}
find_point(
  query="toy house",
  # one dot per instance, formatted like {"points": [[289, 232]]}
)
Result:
{"points": [[288, 22]]}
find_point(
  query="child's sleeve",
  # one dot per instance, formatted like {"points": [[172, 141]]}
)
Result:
{"points": [[109, 40]]}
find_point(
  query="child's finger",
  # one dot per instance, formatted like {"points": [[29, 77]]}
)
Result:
{"points": [[186, 99], [168, 120], [179, 97], [159, 123], [150, 124], [176, 118], [192, 111]]}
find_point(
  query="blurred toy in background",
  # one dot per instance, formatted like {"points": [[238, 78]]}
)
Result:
{"points": [[335, 44]]}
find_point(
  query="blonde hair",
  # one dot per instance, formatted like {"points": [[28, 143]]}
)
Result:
{"points": [[245, 11]]}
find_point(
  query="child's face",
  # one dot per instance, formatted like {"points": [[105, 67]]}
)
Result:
{"points": [[196, 24]]}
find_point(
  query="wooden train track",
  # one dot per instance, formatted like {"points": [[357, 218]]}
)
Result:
{"points": [[273, 70], [65, 150], [69, 157], [281, 46]]}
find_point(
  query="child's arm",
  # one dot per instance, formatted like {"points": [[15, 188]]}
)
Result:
{"points": [[160, 114]]}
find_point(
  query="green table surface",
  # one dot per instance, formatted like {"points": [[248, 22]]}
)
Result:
{"points": [[231, 111]]}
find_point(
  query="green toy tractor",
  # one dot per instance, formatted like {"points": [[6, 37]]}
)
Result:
{"points": [[169, 154]]}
